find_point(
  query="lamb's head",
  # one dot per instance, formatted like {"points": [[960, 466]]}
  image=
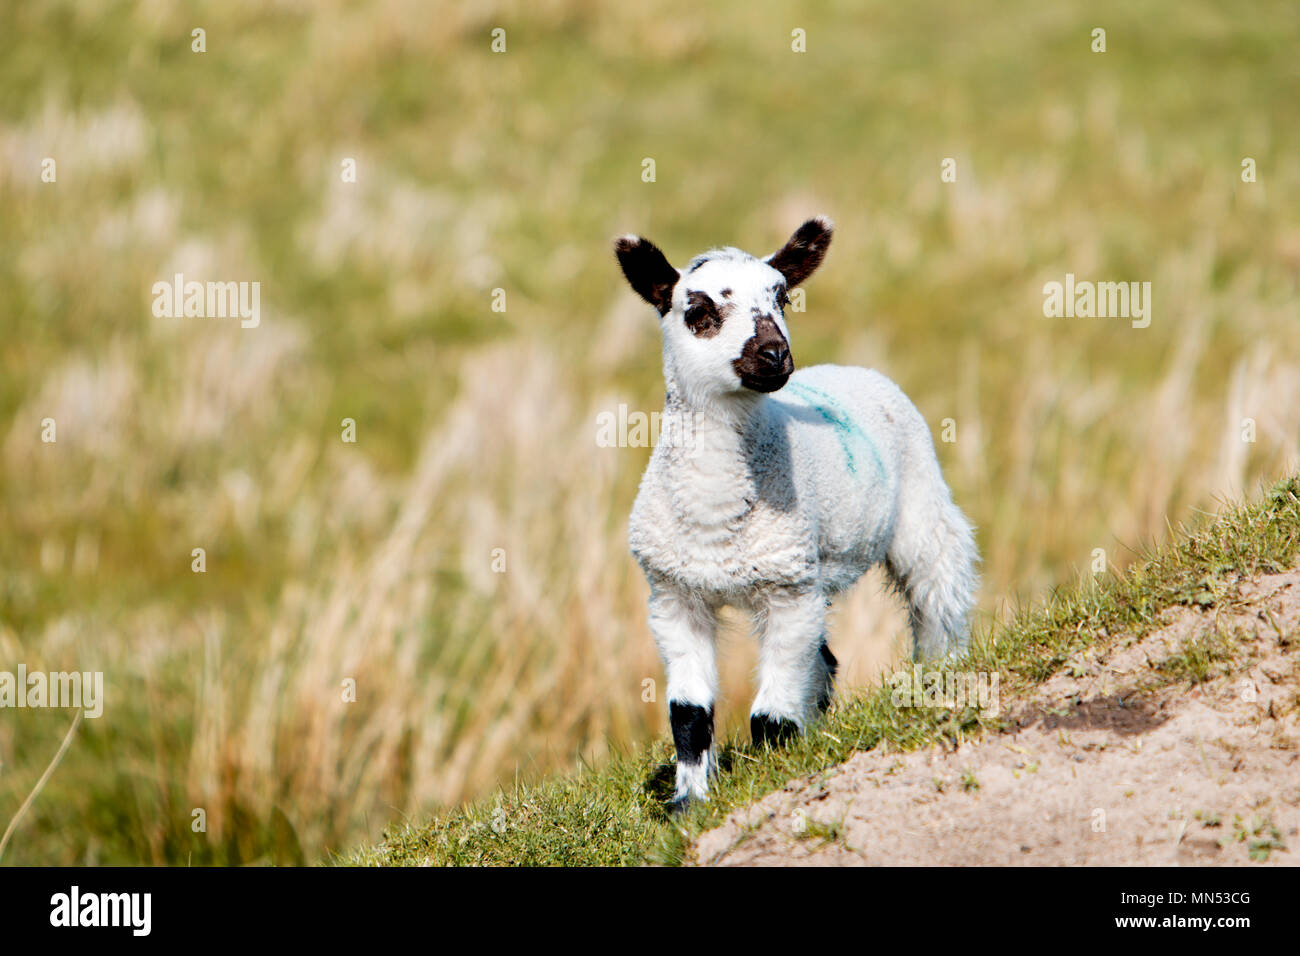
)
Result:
{"points": [[723, 315]]}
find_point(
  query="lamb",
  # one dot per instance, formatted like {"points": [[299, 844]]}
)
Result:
{"points": [[772, 491]]}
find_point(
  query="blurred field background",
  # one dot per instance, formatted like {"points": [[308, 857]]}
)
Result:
{"points": [[476, 430]]}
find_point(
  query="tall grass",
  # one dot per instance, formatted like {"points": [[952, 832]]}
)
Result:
{"points": [[379, 562]]}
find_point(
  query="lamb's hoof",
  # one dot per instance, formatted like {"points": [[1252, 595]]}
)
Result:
{"points": [[771, 731], [680, 806]]}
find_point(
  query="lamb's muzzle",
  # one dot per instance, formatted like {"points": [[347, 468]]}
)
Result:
{"points": [[765, 363]]}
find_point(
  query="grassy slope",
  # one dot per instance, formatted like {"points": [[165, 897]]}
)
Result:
{"points": [[613, 814]]}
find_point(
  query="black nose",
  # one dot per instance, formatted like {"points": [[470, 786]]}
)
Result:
{"points": [[774, 355]]}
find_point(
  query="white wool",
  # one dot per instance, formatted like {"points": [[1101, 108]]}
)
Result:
{"points": [[807, 488]]}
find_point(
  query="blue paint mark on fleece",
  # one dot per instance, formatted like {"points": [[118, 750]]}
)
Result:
{"points": [[846, 428]]}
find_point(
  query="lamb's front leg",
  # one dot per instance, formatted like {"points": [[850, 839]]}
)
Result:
{"points": [[685, 628], [795, 668]]}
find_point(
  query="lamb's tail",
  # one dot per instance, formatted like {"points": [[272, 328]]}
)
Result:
{"points": [[932, 559]]}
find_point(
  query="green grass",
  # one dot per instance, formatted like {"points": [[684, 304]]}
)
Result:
{"points": [[1201, 657], [614, 814], [1260, 835]]}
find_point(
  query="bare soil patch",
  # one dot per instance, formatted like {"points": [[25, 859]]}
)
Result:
{"points": [[1179, 748]]}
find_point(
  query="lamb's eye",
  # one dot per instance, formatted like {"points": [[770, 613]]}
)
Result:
{"points": [[782, 299], [699, 318]]}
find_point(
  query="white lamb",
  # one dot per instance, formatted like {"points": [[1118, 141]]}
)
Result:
{"points": [[773, 490]]}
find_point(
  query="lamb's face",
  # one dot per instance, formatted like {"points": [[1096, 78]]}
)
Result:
{"points": [[726, 329], [723, 316]]}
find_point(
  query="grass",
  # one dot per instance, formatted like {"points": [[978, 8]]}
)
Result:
{"points": [[1260, 835], [375, 562], [1200, 657], [614, 814], [823, 833]]}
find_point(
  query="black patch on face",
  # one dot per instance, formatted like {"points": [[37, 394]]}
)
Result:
{"points": [[765, 363], [803, 252], [647, 271], [703, 316], [771, 731], [692, 731], [726, 293]]}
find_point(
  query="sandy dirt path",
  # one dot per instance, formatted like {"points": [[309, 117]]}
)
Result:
{"points": [[1119, 759]]}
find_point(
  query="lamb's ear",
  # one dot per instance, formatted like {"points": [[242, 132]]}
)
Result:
{"points": [[647, 271], [804, 251]]}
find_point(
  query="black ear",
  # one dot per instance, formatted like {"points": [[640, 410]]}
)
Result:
{"points": [[804, 251], [647, 271]]}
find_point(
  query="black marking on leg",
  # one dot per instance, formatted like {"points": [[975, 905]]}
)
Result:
{"points": [[771, 731], [692, 731], [832, 666]]}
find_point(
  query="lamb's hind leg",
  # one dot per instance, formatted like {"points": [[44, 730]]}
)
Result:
{"points": [[795, 667], [685, 630], [932, 564], [829, 666]]}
